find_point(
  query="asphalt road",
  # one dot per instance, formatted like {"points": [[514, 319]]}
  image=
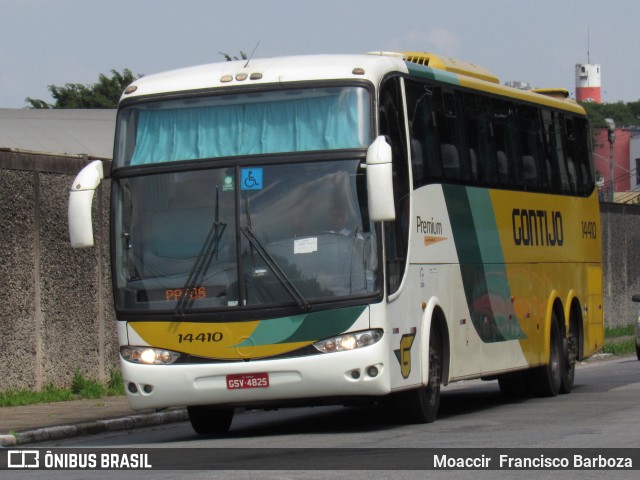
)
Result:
{"points": [[601, 412]]}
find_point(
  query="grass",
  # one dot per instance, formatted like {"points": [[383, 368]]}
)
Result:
{"points": [[619, 331], [625, 347], [81, 387], [620, 340]]}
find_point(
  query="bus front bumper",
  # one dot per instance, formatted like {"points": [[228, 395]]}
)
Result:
{"points": [[359, 372]]}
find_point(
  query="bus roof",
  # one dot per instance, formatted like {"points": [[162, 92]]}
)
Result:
{"points": [[451, 65], [372, 67], [269, 71]]}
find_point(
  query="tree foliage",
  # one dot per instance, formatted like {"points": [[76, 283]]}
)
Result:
{"points": [[624, 114], [105, 93]]}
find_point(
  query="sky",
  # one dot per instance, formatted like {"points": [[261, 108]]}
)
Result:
{"points": [[55, 42]]}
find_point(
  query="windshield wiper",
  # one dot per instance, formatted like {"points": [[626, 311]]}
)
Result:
{"points": [[207, 252], [275, 268]]}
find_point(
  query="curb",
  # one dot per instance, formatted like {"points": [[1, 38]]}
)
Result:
{"points": [[59, 432]]}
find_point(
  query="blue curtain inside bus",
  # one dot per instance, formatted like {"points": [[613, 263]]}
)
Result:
{"points": [[297, 124]]}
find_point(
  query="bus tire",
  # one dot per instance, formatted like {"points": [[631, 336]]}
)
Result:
{"points": [[547, 379], [207, 420], [569, 356], [420, 405]]}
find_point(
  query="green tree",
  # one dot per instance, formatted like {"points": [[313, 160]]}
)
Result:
{"points": [[105, 93], [624, 114]]}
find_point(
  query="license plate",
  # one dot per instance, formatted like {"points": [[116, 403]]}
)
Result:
{"points": [[247, 380]]}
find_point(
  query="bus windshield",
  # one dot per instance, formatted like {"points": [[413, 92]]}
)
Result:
{"points": [[229, 125], [236, 236]]}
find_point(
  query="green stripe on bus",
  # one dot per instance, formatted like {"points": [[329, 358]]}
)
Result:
{"points": [[482, 266], [432, 73], [308, 327]]}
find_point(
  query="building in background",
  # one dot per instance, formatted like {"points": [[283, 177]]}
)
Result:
{"points": [[588, 83], [626, 160], [635, 160]]}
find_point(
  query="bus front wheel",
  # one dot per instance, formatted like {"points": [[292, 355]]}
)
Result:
{"points": [[207, 420], [421, 405]]}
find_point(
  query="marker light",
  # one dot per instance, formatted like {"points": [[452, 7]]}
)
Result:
{"points": [[148, 355], [349, 341]]}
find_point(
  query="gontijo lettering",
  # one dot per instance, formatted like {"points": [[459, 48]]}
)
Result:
{"points": [[535, 228]]}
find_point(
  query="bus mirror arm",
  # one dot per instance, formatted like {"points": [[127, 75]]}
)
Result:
{"points": [[380, 181], [80, 202]]}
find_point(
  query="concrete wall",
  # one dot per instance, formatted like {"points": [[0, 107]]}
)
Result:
{"points": [[56, 313], [621, 261], [56, 307]]}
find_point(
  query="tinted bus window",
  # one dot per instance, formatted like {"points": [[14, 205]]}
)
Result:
{"points": [[425, 159], [531, 148], [477, 119], [450, 135], [505, 143]]}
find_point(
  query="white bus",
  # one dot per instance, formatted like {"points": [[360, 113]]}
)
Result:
{"points": [[331, 229]]}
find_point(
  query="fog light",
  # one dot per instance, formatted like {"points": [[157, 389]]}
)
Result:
{"points": [[355, 374], [372, 371], [132, 387], [147, 389]]}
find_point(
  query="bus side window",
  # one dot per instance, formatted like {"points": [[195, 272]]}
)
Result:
{"points": [[577, 157], [551, 152], [424, 161], [561, 155], [507, 157], [582, 156], [449, 127], [529, 135], [476, 111]]}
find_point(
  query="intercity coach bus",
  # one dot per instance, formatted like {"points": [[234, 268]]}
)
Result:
{"points": [[333, 229]]}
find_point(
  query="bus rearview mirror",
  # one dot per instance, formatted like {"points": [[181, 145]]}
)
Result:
{"points": [[80, 202], [380, 181]]}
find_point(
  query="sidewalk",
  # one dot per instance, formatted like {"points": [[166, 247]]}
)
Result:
{"points": [[55, 421]]}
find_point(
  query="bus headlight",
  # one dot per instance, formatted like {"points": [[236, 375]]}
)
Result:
{"points": [[148, 355], [348, 341]]}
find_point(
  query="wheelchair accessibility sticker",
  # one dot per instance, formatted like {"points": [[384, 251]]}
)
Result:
{"points": [[251, 179]]}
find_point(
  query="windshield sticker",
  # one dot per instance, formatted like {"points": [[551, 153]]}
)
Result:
{"points": [[228, 184], [305, 245], [251, 179]]}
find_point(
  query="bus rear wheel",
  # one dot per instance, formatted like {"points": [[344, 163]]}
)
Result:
{"points": [[569, 356], [207, 420], [547, 380]]}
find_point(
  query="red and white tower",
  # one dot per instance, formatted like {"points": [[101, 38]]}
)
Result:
{"points": [[588, 86]]}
